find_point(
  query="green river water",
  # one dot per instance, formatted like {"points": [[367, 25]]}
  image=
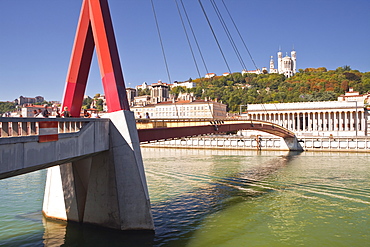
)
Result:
{"points": [[217, 198]]}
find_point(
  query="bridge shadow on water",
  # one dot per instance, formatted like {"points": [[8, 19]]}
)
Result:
{"points": [[176, 220]]}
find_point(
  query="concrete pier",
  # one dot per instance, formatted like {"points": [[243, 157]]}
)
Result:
{"points": [[108, 189]]}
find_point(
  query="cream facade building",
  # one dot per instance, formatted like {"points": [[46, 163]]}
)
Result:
{"points": [[330, 118], [182, 109], [354, 96]]}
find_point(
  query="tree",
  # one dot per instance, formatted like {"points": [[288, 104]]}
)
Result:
{"points": [[177, 90], [7, 106], [87, 103], [99, 105], [142, 92]]}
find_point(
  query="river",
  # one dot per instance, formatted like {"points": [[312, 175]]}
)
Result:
{"points": [[217, 198]]}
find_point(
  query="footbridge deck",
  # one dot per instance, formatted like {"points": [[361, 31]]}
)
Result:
{"points": [[21, 150], [160, 129]]}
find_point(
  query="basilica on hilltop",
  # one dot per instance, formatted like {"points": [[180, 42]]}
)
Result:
{"points": [[286, 65]]}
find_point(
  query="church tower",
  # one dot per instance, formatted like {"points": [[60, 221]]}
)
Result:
{"points": [[294, 61], [272, 66], [280, 62]]}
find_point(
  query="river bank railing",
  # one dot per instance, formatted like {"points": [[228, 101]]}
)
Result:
{"points": [[343, 144]]}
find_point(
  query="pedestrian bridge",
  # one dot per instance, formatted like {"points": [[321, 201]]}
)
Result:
{"points": [[21, 150], [96, 173], [162, 129], [95, 165]]}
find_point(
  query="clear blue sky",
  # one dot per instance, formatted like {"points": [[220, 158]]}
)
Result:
{"points": [[37, 38]]}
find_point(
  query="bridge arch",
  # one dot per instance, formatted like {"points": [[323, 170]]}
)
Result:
{"points": [[162, 129]]}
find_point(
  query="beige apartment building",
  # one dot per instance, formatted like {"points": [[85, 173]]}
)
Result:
{"points": [[182, 109]]}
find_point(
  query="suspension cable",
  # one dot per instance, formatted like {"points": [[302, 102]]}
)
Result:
{"points": [[160, 39], [187, 38], [214, 35], [237, 53], [194, 37], [239, 34]]}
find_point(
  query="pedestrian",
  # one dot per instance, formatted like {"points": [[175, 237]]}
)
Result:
{"points": [[66, 113], [35, 113], [39, 113], [57, 113], [45, 112], [87, 114], [147, 115], [95, 114]]}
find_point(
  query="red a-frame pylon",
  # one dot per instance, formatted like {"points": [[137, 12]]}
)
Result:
{"points": [[95, 29]]}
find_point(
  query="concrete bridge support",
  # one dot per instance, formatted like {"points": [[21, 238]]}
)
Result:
{"points": [[291, 144], [108, 189]]}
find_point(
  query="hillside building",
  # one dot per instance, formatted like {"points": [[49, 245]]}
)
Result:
{"points": [[354, 96], [28, 100], [187, 84]]}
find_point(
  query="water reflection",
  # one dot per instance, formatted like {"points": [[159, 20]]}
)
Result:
{"points": [[227, 198], [59, 233], [314, 202], [183, 194]]}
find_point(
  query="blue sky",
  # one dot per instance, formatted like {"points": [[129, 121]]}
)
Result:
{"points": [[37, 38]]}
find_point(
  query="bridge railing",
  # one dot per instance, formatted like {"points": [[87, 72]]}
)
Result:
{"points": [[16, 126], [143, 123]]}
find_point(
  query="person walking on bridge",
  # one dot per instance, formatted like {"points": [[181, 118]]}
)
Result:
{"points": [[66, 113], [45, 112]]}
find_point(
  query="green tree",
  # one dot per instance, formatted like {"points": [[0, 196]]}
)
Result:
{"points": [[177, 90], [142, 92], [87, 103], [99, 105], [7, 107]]}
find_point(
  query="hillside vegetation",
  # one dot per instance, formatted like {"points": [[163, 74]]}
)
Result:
{"points": [[311, 84]]}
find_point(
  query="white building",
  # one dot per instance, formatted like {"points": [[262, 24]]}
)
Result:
{"points": [[187, 84], [257, 71], [182, 109], [330, 118], [354, 96], [142, 86], [286, 65], [272, 66], [210, 75]]}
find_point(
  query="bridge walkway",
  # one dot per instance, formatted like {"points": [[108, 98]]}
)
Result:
{"points": [[22, 150], [162, 129]]}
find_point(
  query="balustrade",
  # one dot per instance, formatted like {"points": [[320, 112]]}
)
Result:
{"points": [[14, 127]]}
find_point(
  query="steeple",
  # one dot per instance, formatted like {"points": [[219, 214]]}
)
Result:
{"points": [[272, 66]]}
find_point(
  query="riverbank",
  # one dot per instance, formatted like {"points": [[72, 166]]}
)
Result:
{"points": [[338, 144]]}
